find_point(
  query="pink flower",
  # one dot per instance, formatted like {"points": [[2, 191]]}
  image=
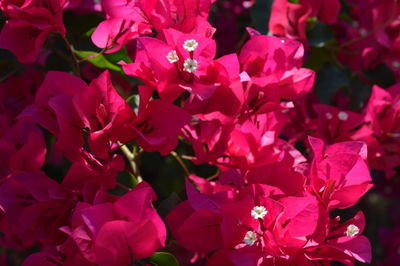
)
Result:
{"points": [[158, 125], [277, 68], [40, 112], [335, 125], [257, 219], [87, 169], [72, 109], [17, 92], [127, 20], [339, 173], [343, 242], [29, 25], [23, 149], [116, 233], [37, 206], [290, 20], [179, 63], [382, 114], [105, 115]]}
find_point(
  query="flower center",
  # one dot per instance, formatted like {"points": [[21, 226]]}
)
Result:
{"points": [[259, 212], [190, 65], [173, 57], [250, 238], [352, 230], [190, 45]]}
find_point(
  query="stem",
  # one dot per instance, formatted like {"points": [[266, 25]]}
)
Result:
{"points": [[92, 56], [74, 58], [123, 187], [131, 157], [187, 157], [180, 161], [214, 176], [9, 74]]}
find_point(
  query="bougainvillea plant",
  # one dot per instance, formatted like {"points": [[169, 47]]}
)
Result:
{"points": [[201, 132]]}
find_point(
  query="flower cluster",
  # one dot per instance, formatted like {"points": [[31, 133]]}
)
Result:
{"points": [[276, 215], [81, 139]]}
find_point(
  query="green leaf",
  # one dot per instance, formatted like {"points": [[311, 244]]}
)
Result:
{"points": [[126, 179], [319, 34], [121, 55], [77, 32], [317, 58], [90, 32], [98, 60], [359, 93], [166, 206], [133, 102], [381, 75], [329, 80], [57, 62], [163, 259]]}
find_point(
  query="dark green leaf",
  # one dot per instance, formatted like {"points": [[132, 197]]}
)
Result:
{"points": [[57, 61], [381, 75], [163, 259], [78, 33], [317, 58], [126, 178], [329, 80], [359, 93], [260, 13], [319, 34], [168, 204]]}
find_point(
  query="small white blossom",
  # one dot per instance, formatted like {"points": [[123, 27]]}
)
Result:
{"points": [[343, 116], [173, 57], [190, 45], [352, 230], [190, 65], [259, 212], [250, 238], [395, 64], [282, 41]]}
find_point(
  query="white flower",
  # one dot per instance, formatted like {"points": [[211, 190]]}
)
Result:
{"points": [[352, 230], [190, 65], [259, 212], [343, 116], [190, 45], [250, 238], [395, 64], [173, 57]]}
